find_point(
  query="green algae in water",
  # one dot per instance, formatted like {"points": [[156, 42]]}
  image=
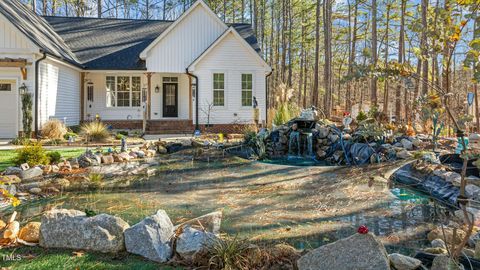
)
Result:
{"points": [[404, 194]]}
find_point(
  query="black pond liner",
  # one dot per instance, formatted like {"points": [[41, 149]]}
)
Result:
{"points": [[437, 188]]}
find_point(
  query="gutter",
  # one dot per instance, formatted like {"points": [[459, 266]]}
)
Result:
{"points": [[197, 126], [37, 62], [266, 96]]}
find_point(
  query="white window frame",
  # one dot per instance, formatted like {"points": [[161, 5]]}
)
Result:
{"points": [[224, 88], [241, 88], [112, 94]]}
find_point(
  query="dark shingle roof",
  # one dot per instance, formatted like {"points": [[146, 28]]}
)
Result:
{"points": [[36, 29], [117, 43], [93, 43], [108, 43]]}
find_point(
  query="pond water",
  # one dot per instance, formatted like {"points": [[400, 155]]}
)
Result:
{"points": [[304, 206]]}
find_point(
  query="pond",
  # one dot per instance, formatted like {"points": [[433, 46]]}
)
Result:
{"points": [[304, 206]]}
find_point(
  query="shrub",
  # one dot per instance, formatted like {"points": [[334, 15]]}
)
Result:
{"points": [[95, 131], [282, 115], [119, 136], [96, 181], [33, 154], [54, 129], [70, 134], [361, 116], [54, 156], [20, 141]]}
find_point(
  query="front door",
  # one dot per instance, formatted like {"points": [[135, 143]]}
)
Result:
{"points": [[8, 108], [170, 100]]}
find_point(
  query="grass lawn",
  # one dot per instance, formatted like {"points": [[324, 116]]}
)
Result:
{"points": [[32, 258], [6, 156]]}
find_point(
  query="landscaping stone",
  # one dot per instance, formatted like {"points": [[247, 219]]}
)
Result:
{"points": [[151, 237], [65, 166], [438, 243], [107, 159], [323, 132], [473, 212], [402, 262], [12, 171], [404, 154], [472, 191], [47, 169], [10, 179], [31, 173], [117, 158], [10, 188], [442, 262], [140, 154], [435, 250], [408, 145], [359, 251], [437, 233], [63, 228], [210, 222], [74, 163], [35, 190], [30, 232], [61, 182], [453, 177], [161, 149], [191, 241], [125, 156]]}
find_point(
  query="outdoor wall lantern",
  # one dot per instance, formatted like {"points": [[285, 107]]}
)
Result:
{"points": [[157, 89], [23, 89]]}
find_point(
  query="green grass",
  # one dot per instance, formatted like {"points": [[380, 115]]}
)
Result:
{"points": [[32, 258], [6, 156]]}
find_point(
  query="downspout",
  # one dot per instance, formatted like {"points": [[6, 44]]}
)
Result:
{"points": [[266, 96], [197, 125], [37, 62]]}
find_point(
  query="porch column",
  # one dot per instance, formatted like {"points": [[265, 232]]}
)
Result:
{"points": [[82, 96], [149, 96]]}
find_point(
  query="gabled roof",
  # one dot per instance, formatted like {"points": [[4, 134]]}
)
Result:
{"points": [[97, 44], [108, 44], [36, 29], [198, 3], [243, 41]]}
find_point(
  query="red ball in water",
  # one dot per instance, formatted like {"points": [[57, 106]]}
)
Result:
{"points": [[362, 229]]}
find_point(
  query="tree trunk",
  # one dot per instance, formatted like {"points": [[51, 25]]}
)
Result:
{"points": [[290, 64], [327, 26], [424, 48], [386, 97], [317, 56], [302, 59], [401, 45], [373, 87], [99, 8], [352, 54]]}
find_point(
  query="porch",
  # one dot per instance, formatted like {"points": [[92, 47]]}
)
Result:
{"points": [[124, 99]]}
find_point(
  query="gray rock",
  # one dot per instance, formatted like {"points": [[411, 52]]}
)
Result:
{"points": [[13, 171], [210, 222], [453, 177], [151, 237], [441, 262], [35, 190], [359, 251], [192, 241], [406, 144], [63, 228], [404, 154], [333, 138], [472, 191], [402, 262], [31, 173], [323, 132], [438, 243], [417, 143], [11, 189]]}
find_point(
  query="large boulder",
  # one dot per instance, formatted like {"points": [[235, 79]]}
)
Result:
{"points": [[359, 251], [191, 241], [210, 222], [151, 237], [404, 154], [63, 228], [31, 173], [402, 262]]}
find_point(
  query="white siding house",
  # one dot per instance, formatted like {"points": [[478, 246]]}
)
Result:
{"points": [[161, 76]]}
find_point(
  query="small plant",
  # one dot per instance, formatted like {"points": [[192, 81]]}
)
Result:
{"points": [[119, 136], [20, 141], [27, 115], [96, 180], [54, 129], [229, 254], [70, 134], [54, 156], [32, 153], [95, 131], [362, 116]]}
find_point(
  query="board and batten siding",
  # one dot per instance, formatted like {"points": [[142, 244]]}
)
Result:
{"points": [[183, 96], [59, 93], [14, 44], [233, 59], [99, 104], [185, 42]]}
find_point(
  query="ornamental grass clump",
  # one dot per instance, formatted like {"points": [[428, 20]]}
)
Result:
{"points": [[54, 129], [95, 131]]}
